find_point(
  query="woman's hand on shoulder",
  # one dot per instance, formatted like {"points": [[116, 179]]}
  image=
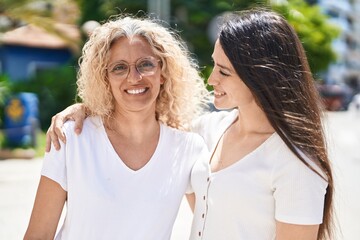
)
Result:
{"points": [[75, 112]]}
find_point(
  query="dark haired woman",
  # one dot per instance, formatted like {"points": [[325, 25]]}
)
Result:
{"points": [[269, 175]]}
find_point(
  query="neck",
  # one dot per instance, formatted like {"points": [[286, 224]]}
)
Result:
{"points": [[252, 119], [135, 127]]}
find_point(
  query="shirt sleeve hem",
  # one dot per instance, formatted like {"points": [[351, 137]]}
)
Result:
{"points": [[55, 179], [298, 220]]}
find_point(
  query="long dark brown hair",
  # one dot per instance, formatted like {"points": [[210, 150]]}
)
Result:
{"points": [[269, 58]]}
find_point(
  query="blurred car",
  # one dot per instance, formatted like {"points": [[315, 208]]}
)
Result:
{"points": [[336, 97]]}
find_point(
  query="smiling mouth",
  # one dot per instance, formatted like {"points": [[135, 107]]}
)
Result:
{"points": [[136, 91], [219, 94]]}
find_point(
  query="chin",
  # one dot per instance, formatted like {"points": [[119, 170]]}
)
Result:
{"points": [[221, 107]]}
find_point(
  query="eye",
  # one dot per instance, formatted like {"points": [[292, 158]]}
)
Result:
{"points": [[146, 65], [120, 68], [224, 73]]}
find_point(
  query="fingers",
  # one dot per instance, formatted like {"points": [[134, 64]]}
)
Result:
{"points": [[55, 133], [48, 142], [54, 140], [78, 114], [78, 125]]}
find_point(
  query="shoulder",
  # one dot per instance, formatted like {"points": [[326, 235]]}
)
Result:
{"points": [[174, 133], [282, 153], [182, 138], [286, 163], [189, 147], [211, 126], [90, 124], [215, 117]]}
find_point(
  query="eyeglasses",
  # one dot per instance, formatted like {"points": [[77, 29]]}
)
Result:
{"points": [[144, 66]]}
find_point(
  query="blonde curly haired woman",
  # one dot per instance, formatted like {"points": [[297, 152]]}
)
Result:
{"points": [[124, 177]]}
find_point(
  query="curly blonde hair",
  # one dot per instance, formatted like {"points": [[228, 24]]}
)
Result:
{"points": [[183, 95]]}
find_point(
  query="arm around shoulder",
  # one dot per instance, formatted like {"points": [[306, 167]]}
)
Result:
{"points": [[76, 112]]}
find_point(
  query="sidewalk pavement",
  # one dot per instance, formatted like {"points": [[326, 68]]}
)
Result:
{"points": [[18, 183]]}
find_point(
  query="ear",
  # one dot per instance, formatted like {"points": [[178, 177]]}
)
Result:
{"points": [[162, 79]]}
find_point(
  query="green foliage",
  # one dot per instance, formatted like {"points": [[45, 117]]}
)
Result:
{"points": [[100, 10], [4, 93], [314, 31], [41, 141], [191, 18], [4, 88], [55, 88], [35, 12], [20, 11], [91, 10]]}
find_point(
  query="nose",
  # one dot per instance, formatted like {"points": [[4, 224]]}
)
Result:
{"points": [[133, 75], [212, 79]]}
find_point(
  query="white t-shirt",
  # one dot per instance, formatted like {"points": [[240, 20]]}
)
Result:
{"points": [[109, 201], [243, 200]]}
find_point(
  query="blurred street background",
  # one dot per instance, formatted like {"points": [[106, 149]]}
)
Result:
{"points": [[41, 42], [19, 179]]}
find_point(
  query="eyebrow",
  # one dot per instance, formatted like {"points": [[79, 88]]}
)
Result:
{"points": [[221, 66], [225, 68], [119, 61]]}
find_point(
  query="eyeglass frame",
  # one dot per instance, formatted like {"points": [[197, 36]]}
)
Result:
{"points": [[124, 76]]}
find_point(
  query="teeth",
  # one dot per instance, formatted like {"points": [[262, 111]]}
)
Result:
{"points": [[219, 93], [136, 91]]}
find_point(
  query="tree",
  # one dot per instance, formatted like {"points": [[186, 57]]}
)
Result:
{"points": [[314, 31], [309, 22], [192, 18], [100, 10], [41, 13], [16, 13]]}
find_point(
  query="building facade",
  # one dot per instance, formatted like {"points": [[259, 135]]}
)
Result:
{"points": [[28, 49], [345, 14]]}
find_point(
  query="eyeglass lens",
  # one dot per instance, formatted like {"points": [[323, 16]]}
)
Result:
{"points": [[144, 66]]}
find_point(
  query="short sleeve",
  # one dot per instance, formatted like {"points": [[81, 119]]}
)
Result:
{"points": [[189, 188], [299, 193], [200, 152], [198, 124], [54, 166]]}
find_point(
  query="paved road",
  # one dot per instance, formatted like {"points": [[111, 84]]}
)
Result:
{"points": [[344, 148], [19, 179], [18, 183]]}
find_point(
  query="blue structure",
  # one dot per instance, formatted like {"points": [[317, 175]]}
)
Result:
{"points": [[28, 49], [21, 120], [21, 62], [23, 53]]}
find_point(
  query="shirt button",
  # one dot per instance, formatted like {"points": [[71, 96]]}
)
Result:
{"points": [[199, 234], [204, 197], [203, 215], [208, 179]]}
